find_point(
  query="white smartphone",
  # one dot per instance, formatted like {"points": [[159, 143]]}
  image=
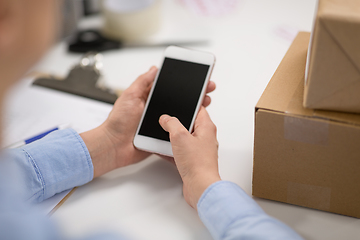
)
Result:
{"points": [[178, 90]]}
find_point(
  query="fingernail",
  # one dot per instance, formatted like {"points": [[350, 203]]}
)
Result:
{"points": [[163, 117], [153, 68]]}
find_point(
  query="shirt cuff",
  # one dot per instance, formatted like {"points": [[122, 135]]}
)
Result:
{"points": [[61, 161], [218, 206]]}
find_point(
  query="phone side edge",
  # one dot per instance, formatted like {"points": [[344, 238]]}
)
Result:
{"points": [[202, 95]]}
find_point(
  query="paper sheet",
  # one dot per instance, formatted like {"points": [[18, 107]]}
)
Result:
{"points": [[30, 110]]}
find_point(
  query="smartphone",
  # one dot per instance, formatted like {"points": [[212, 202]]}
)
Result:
{"points": [[179, 89]]}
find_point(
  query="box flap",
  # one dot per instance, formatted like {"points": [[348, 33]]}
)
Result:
{"points": [[286, 96], [341, 18], [351, 118]]}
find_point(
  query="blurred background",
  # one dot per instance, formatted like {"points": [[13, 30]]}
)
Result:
{"points": [[249, 39]]}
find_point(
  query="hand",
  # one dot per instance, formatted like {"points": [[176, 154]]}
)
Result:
{"points": [[111, 144], [195, 155]]}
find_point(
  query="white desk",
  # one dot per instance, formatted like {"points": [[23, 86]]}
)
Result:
{"points": [[145, 201]]}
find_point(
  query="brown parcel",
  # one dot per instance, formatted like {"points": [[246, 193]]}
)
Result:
{"points": [[301, 156], [333, 80]]}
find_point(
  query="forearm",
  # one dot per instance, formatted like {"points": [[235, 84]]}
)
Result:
{"points": [[229, 213]]}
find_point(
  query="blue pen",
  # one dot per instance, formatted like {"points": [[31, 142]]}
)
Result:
{"points": [[37, 137]]}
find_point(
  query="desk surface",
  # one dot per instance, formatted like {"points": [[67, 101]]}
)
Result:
{"points": [[145, 201]]}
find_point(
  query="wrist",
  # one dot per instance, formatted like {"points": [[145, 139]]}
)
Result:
{"points": [[197, 186], [101, 149]]}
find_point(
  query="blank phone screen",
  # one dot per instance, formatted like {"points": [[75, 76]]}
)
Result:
{"points": [[176, 93]]}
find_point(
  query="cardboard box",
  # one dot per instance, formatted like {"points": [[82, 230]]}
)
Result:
{"points": [[301, 156], [333, 73]]}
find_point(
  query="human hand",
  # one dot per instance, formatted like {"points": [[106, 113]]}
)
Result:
{"points": [[195, 154], [111, 144]]}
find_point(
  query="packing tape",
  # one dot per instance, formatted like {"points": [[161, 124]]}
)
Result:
{"points": [[306, 130], [309, 195]]}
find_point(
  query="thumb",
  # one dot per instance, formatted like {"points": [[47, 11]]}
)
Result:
{"points": [[142, 83], [172, 125]]}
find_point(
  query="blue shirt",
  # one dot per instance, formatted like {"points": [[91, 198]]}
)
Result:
{"points": [[61, 161]]}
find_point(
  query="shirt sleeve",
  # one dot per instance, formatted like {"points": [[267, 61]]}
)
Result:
{"points": [[57, 162], [229, 213], [50, 165]]}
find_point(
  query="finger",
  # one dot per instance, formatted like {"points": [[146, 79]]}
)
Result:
{"points": [[211, 87], [143, 82], [203, 123], [207, 101], [172, 125], [147, 91]]}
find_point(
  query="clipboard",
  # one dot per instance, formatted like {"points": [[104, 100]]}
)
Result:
{"points": [[82, 80]]}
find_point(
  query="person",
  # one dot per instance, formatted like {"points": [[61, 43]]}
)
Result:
{"points": [[65, 159]]}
